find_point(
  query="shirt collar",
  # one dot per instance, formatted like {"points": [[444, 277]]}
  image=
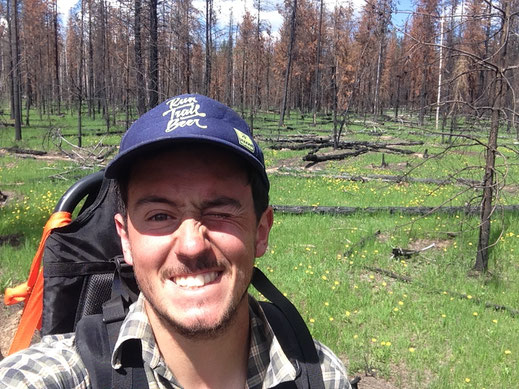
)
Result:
{"points": [[136, 325], [267, 365]]}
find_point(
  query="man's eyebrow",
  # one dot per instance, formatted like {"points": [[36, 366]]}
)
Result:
{"points": [[154, 199], [223, 201]]}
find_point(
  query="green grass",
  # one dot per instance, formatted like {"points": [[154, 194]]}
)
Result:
{"points": [[434, 332], [377, 323], [327, 191]]}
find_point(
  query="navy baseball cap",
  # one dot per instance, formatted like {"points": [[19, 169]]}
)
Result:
{"points": [[188, 118]]}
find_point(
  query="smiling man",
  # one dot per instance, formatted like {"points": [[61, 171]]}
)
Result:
{"points": [[193, 217]]}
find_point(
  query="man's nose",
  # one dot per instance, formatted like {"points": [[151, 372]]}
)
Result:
{"points": [[190, 240]]}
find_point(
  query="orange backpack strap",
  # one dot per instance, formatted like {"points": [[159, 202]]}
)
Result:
{"points": [[31, 291]]}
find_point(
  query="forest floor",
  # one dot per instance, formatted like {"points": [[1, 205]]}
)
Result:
{"points": [[9, 317]]}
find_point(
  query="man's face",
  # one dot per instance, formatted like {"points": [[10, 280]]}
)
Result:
{"points": [[191, 235]]}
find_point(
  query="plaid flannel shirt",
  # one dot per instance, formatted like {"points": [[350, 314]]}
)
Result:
{"points": [[55, 363]]}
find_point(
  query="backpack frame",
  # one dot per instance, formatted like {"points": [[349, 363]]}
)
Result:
{"points": [[83, 271]]}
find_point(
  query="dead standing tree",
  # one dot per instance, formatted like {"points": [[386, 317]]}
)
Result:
{"points": [[500, 68], [489, 97], [16, 74], [139, 62], [289, 63]]}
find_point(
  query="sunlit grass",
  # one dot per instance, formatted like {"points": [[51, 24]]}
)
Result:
{"points": [[329, 191], [376, 322]]}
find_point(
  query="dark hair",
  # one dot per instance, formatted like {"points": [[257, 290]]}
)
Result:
{"points": [[259, 189]]}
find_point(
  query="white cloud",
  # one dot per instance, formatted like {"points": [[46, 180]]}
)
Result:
{"points": [[65, 5], [223, 9], [269, 11]]}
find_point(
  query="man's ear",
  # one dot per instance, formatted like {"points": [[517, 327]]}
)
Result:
{"points": [[122, 231], [263, 231]]}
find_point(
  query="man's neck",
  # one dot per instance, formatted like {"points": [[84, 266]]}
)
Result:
{"points": [[217, 362]]}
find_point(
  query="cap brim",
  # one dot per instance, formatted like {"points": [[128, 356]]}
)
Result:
{"points": [[120, 165]]}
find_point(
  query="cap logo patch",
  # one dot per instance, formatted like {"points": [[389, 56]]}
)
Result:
{"points": [[183, 112], [244, 140]]}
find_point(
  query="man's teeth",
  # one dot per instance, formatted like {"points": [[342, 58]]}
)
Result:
{"points": [[195, 281]]}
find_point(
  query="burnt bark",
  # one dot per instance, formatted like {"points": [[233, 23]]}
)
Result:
{"points": [[153, 73], [489, 183], [57, 85], [317, 75], [17, 100], [289, 63], [80, 80], [139, 69]]}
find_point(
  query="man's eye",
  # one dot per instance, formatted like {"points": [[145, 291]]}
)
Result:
{"points": [[159, 217], [219, 215]]}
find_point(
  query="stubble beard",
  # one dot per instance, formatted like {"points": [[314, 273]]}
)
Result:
{"points": [[198, 330]]}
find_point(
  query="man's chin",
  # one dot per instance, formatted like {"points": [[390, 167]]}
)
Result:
{"points": [[199, 329], [200, 324], [198, 320]]}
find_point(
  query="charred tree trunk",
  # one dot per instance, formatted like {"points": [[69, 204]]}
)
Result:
{"points": [[335, 105], [289, 64], [57, 85], [208, 45], [256, 64], [28, 101], [80, 80], [127, 94], [17, 107], [230, 65], [423, 98], [90, 89], [489, 183], [481, 264], [139, 71], [317, 66], [104, 77], [10, 58], [377, 80], [185, 43], [153, 98]]}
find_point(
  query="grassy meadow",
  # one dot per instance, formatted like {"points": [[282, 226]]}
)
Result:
{"points": [[440, 330]]}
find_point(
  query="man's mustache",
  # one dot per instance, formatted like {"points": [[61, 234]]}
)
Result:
{"points": [[190, 266]]}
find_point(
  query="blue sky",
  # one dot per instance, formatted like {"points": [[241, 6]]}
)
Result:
{"points": [[224, 7], [404, 9]]}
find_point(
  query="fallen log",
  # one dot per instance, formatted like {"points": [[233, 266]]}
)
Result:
{"points": [[312, 157], [399, 151], [301, 146], [3, 197], [13, 240], [360, 149], [18, 150], [298, 139], [350, 144], [313, 143], [408, 253], [338, 210]]}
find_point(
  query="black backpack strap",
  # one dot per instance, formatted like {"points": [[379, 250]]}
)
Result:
{"points": [[96, 336], [288, 341], [286, 313], [94, 349]]}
